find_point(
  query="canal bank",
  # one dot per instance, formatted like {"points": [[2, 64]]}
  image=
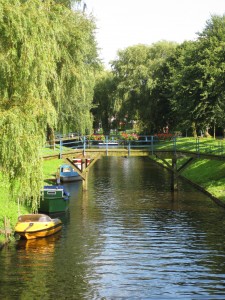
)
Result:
{"points": [[205, 175]]}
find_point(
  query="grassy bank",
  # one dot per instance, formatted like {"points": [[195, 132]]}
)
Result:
{"points": [[11, 209], [50, 168], [208, 174]]}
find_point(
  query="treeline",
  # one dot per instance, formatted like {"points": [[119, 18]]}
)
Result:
{"points": [[48, 60], [180, 87]]}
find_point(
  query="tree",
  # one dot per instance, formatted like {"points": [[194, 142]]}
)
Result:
{"points": [[77, 64], [47, 63], [104, 100], [198, 78], [142, 86], [212, 43]]}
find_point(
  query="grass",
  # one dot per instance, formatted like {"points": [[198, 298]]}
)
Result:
{"points": [[210, 175], [203, 145], [50, 167]]}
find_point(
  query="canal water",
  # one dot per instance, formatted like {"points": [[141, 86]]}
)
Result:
{"points": [[128, 237]]}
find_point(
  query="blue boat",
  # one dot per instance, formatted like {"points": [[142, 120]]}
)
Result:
{"points": [[68, 174]]}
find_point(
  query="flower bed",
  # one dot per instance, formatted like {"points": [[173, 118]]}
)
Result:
{"points": [[96, 137], [164, 136], [128, 136]]}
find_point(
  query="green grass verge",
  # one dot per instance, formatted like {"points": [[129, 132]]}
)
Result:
{"points": [[209, 174], [50, 167]]}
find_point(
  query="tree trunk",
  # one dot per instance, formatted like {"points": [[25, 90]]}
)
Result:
{"points": [[50, 136], [194, 131], [206, 133]]}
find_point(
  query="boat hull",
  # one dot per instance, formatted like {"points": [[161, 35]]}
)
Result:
{"points": [[66, 178], [53, 205], [33, 228], [67, 174], [40, 233], [110, 145], [55, 199]]}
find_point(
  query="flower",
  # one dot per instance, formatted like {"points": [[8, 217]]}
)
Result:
{"points": [[128, 136], [164, 136], [96, 137]]}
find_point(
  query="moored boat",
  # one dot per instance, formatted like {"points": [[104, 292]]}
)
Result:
{"points": [[32, 226], [67, 174], [54, 199], [109, 144], [78, 162]]}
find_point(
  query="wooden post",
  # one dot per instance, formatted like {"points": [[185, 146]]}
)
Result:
{"points": [[83, 164], [85, 182], [129, 148], [60, 148], [152, 144], [107, 145], [84, 145], [174, 184]]}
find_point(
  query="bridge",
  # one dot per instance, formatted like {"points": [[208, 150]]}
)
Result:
{"points": [[147, 146]]}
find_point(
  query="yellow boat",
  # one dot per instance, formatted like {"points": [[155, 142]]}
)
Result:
{"points": [[34, 226]]}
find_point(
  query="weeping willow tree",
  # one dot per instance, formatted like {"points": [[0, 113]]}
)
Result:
{"points": [[47, 62], [76, 69]]}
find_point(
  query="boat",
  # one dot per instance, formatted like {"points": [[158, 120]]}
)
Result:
{"points": [[78, 162], [54, 199], [68, 174], [109, 144], [32, 226]]}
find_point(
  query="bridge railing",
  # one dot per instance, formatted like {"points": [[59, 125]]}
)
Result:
{"points": [[150, 143]]}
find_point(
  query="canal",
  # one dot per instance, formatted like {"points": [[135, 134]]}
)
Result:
{"points": [[128, 237]]}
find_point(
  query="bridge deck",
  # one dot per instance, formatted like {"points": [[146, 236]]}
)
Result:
{"points": [[92, 153]]}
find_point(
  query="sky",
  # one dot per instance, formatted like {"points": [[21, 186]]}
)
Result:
{"points": [[124, 23]]}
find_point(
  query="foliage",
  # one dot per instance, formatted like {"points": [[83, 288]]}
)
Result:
{"points": [[165, 84], [142, 86], [96, 137], [103, 102], [198, 78], [47, 64], [76, 67]]}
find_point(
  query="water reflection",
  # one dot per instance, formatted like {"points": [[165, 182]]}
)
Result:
{"points": [[40, 247], [128, 237]]}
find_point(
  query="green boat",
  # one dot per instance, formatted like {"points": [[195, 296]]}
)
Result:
{"points": [[54, 199]]}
